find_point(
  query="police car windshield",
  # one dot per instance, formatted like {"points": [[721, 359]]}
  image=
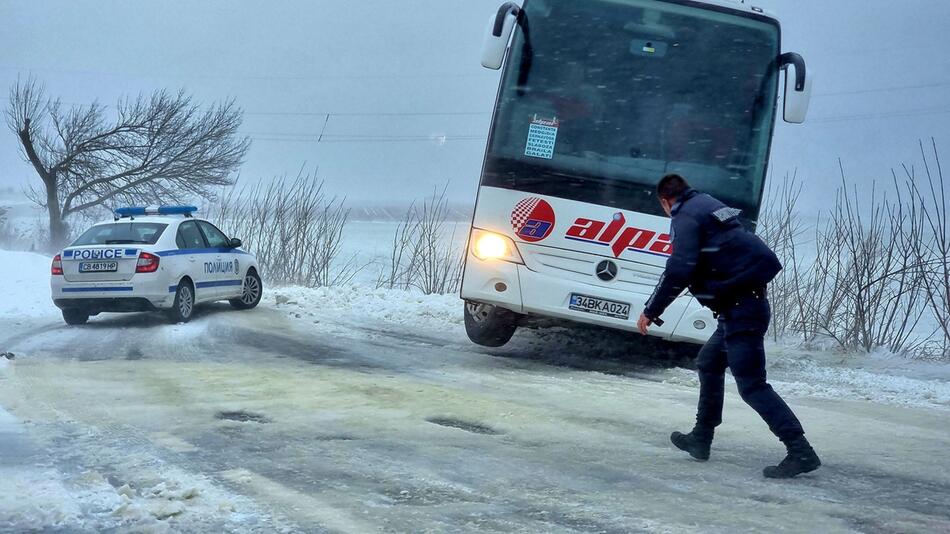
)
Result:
{"points": [[121, 233], [602, 98]]}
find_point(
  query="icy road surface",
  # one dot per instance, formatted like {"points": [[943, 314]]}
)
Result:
{"points": [[284, 420]]}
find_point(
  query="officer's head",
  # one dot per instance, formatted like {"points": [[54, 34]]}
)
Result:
{"points": [[669, 190]]}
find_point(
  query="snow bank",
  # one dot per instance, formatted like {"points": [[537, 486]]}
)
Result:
{"points": [[358, 304], [25, 277], [874, 377]]}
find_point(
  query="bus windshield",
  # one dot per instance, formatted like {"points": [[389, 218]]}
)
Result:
{"points": [[602, 98]]}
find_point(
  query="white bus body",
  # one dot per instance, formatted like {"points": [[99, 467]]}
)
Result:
{"points": [[598, 100]]}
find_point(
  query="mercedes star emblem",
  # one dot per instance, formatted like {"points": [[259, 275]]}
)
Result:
{"points": [[607, 270]]}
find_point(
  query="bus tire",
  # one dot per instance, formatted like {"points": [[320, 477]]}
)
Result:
{"points": [[74, 316], [488, 325]]}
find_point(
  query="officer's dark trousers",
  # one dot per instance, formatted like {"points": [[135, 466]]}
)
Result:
{"points": [[739, 344]]}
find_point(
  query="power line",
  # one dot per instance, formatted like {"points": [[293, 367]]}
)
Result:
{"points": [[426, 76], [370, 113], [315, 135], [885, 89], [872, 116], [392, 139], [338, 113]]}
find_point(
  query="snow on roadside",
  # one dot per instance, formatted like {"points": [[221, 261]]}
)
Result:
{"points": [[860, 377], [361, 304], [26, 291]]}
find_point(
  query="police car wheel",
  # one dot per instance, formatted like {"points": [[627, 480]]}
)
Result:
{"points": [[184, 305], [489, 326], [75, 317], [251, 292]]}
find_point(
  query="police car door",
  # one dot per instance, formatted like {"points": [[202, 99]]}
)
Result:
{"points": [[223, 269], [193, 246]]}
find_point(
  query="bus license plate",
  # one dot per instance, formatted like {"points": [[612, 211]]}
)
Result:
{"points": [[596, 306], [98, 266]]}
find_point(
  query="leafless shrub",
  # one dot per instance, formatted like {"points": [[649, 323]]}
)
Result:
{"points": [[400, 273], [882, 283], [424, 254], [877, 266], [933, 248], [781, 227], [873, 294], [293, 227]]}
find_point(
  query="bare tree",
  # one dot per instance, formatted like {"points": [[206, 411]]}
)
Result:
{"points": [[163, 148]]}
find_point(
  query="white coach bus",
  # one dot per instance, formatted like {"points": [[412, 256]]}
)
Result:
{"points": [[598, 100]]}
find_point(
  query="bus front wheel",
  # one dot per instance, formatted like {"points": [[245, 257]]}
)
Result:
{"points": [[488, 325]]}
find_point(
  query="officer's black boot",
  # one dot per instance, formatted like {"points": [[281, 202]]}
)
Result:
{"points": [[801, 458], [696, 443]]}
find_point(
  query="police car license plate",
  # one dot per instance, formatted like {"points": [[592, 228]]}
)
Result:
{"points": [[98, 266], [596, 306]]}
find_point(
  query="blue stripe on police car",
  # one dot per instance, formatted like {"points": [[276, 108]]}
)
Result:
{"points": [[213, 283], [219, 283]]}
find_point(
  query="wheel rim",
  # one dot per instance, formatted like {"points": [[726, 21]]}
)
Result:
{"points": [[478, 311], [252, 290], [186, 302]]}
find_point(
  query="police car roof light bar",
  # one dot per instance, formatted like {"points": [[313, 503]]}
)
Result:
{"points": [[177, 210], [133, 211], [129, 212]]}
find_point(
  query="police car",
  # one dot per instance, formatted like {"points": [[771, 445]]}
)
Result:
{"points": [[153, 259]]}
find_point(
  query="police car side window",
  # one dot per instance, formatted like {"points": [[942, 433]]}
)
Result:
{"points": [[189, 236], [215, 237]]}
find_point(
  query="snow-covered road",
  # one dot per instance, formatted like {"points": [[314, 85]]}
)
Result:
{"points": [[265, 421]]}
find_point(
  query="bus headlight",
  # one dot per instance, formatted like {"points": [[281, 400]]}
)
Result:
{"points": [[492, 246]]}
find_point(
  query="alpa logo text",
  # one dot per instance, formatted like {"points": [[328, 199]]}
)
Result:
{"points": [[620, 237]]}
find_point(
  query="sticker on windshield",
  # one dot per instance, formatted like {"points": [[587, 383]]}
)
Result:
{"points": [[542, 136]]}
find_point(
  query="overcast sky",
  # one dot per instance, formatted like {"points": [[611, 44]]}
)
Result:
{"points": [[398, 75]]}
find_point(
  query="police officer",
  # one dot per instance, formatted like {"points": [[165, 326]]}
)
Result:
{"points": [[726, 268]]}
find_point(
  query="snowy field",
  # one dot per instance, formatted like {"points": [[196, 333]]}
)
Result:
{"points": [[354, 409]]}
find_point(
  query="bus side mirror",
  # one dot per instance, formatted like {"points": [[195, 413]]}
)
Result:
{"points": [[797, 88], [498, 35]]}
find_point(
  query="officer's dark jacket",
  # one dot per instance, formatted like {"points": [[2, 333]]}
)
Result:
{"points": [[713, 255]]}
